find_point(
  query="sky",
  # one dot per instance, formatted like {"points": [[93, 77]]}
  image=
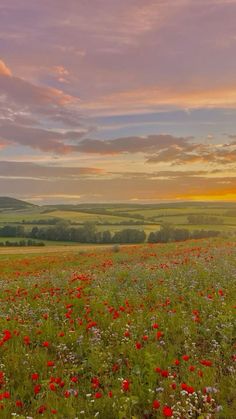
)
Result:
{"points": [[118, 100]]}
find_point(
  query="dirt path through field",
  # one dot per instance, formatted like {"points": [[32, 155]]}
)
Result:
{"points": [[56, 249], [50, 249]]}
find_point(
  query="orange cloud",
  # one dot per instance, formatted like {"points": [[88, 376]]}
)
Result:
{"points": [[21, 90], [143, 100], [4, 70], [3, 144]]}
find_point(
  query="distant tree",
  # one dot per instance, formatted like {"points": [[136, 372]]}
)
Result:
{"points": [[152, 238], [8, 231], [106, 237], [89, 232], [181, 234], [167, 234], [34, 232], [129, 235]]}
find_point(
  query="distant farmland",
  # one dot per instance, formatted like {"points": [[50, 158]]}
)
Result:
{"points": [[115, 217]]}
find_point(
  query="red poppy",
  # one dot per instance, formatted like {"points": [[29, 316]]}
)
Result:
{"points": [[37, 389], [125, 385], [50, 363], [156, 404], [26, 340], [167, 411], [164, 373], [138, 345], [42, 409], [95, 382], [74, 379], [115, 367], [206, 362]]}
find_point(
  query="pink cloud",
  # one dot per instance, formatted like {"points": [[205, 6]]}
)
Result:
{"points": [[25, 107]]}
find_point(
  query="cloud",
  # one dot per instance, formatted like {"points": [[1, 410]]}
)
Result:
{"points": [[134, 144], [190, 153], [3, 144], [98, 189], [38, 138], [166, 174], [4, 70], [162, 148], [37, 116], [63, 68], [49, 171], [27, 94], [61, 74], [157, 97], [135, 53], [21, 170]]}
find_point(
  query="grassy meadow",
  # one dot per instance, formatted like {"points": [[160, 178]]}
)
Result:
{"points": [[142, 331]]}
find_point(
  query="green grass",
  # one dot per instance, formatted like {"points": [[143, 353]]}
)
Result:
{"points": [[83, 217]]}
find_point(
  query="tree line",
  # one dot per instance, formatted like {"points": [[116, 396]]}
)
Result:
{"points": [[168, 233], [21, 243], [88, 233], [62, 231]]}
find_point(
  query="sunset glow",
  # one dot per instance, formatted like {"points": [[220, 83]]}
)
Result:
{"points": [[118, 101]]}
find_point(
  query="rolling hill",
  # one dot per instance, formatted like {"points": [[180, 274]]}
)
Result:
{"points": [[7, 203]]}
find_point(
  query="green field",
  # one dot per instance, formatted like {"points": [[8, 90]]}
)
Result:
{"points": [[115, 217]]}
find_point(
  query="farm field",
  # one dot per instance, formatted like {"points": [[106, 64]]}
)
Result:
{"points": [[142, 331], [115, 217]]}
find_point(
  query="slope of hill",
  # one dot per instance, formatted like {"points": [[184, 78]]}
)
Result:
{"points": [[7, 203]]}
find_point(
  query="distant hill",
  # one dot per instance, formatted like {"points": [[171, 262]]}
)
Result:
{"points": [[7, 203]]}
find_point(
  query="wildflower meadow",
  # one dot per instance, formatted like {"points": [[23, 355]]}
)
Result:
{"points": [[134, 332]]}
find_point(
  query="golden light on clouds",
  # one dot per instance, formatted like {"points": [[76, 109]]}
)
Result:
{"points": [[139, 100], [4, 70], [134, 99]]}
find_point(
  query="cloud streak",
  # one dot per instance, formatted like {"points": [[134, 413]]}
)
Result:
{"points": [[38, 138], [124, 189], [26, 170], [130, 98]]}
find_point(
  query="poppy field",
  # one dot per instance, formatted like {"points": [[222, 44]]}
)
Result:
{"points": [[116, 333]]}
